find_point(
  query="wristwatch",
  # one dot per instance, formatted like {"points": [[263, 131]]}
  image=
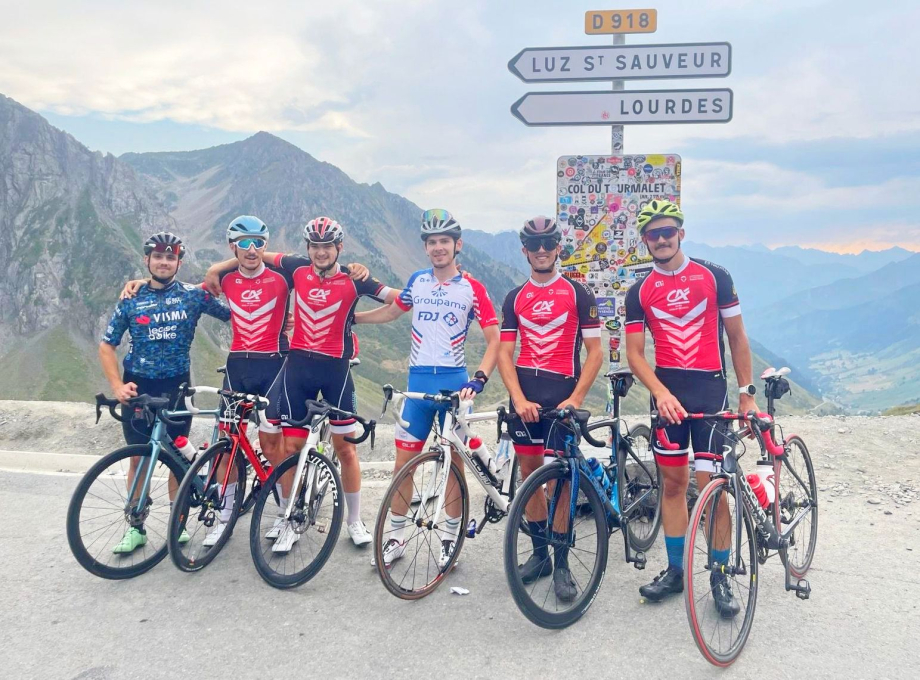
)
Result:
{"points": [[749, 389], [480, 375]]}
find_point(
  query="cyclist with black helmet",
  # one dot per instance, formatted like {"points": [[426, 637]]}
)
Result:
{"points": [[686, 303], [161, 321], [552, 316], [444, 302]]}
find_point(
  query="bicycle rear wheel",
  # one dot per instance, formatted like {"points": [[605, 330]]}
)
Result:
{"points": [[288, 553], [408, 537], [713, 527], [100, 514], [580, 539], [798, 492], [640, 483], [200, 503]]}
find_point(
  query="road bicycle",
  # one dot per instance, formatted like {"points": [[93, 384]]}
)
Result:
{"points": [[748, 532], [110, 499], [430, 492]]}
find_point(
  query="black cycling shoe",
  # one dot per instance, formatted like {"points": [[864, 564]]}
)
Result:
{"points": [[535, 567], [726, 604], [668, 582], [564, 585]]}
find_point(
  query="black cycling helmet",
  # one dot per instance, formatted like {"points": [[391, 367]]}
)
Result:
{"points": [[164, 242]]}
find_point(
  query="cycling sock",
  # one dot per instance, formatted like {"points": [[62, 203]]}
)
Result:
{"points": [[538, 537], [140, 528], [560, 550], [353, 501], [720, 556], [229, 499], [397, 526], [451, 529], [675, 548]]}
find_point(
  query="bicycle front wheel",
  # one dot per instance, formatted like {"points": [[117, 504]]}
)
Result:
{"points": [[576, 542], [111, 536], [414, 521], [204, 513], [720, 559], [289, 552], [640, 485]]}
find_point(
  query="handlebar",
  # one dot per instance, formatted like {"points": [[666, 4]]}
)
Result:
{"points": [[579, 415], [322, 408], [763, 421], [445, 397]]}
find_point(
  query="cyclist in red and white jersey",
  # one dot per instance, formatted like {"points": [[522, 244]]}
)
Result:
{"points": [[444, 302], [553, 316], [685, 303]]}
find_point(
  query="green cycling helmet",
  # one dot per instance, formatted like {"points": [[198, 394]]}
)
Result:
{"points": [[656, 209]]}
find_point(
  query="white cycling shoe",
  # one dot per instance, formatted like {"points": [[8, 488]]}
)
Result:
{"points": [[447, 550], [214, 534], [275, 531], [359, 533], [392, 551], [286, 540]]}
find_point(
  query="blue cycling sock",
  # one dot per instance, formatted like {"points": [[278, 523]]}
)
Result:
{"points": [[675, 548], [538, 537], [720, 556]]}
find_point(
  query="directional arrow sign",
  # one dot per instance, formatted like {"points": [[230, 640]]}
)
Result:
{"points": [[622, 62], [619, 108]]}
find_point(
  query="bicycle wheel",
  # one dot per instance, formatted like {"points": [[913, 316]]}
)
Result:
{"points": [[410, 568], [100, 514], [640, 484], [580, 540], [720, 637], [289, 553], [201, 505], [798, 493]]}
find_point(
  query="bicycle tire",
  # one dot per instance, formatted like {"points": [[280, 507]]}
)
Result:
{"points": [[194, 555], [630, 486], [522, 593], [697, 583], [798, 567], [152, 553], [396, 578], [265, 559]]}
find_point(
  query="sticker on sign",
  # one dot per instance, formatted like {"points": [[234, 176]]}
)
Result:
{"points": [[622, 62], [629, 107], [621, 21]]}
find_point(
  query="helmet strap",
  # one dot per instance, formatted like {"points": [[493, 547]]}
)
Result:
{"points": [[660, 261], [551, 268]]}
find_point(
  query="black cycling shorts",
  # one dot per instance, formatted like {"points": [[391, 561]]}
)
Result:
{"points": [[307, 375], [548, 390], [136, 430], [697, 392], [254, 374]]}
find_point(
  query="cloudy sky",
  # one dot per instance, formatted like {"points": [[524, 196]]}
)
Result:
{"points": [[822, 150]]}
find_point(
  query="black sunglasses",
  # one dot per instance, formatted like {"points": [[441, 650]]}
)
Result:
{"points": [[666, 232], [547, 243]]}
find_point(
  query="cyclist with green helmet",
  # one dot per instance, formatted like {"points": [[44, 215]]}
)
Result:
{"points": [[685, 303]]}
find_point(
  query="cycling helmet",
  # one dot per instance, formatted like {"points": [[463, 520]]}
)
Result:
{"points": [[164, 242], [246, 225], [540, 227], [656, 209], [323, 230], [439, 221]]}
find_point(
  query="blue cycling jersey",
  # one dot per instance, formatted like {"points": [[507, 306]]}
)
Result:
{"points": [[161, 325]]}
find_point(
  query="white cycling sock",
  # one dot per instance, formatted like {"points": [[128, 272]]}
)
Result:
{"points": [[353, 501], [397, 527], [451, 529], [229, 499]]}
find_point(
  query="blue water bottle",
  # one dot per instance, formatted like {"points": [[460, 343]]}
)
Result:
{"points": [[600, 475]]}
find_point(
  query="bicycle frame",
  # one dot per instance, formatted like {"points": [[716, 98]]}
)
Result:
{"points": [[319, 434]]}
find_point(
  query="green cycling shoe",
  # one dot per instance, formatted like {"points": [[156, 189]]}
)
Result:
{"points": [[131, 541]]}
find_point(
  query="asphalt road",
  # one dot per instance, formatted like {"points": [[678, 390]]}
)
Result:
{"points": [[58, 621]]}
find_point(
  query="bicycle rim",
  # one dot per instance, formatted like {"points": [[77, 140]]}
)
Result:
{"points": [[640, 481], [797, 493]]}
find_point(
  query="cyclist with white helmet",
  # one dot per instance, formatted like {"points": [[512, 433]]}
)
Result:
{"points": [[552, 316], [444, 302]]}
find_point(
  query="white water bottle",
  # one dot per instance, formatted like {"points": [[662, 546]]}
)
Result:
{"points": [[765, 472], [479, 449], [185, 448], [503, 457]]}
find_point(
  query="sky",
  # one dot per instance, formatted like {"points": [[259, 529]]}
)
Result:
{"points": [[822, 149]]}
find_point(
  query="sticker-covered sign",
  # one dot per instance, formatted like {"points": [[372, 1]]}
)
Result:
{"points": [[597, 200]]}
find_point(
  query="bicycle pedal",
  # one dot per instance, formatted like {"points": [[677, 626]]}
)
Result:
{"points": [[640, 561], [803, 589], [471, 529]]}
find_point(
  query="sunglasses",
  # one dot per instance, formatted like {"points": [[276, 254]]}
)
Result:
{"points": [[548, 243], [435, 214], [666, 232], [246, 243]]}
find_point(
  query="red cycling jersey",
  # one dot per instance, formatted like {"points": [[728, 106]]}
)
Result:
{"points": [[258, 309], [684, 309], [324, 306], [552, 319]]}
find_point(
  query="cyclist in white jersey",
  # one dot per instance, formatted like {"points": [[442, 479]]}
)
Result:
{"points": [[444, 302]]}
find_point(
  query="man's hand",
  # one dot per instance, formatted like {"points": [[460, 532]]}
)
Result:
{"points": [[358, 272], [289, 323], [125, 392], [470, 389], [527, 410], [746, 403], [669, 407], [212, 281], [572, 401], [131, 288]]}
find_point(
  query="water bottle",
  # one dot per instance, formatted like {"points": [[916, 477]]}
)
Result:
{"points": [[757, 486], [206, 468], [481, 451], [600, 475], [768, 479], [503, 457], [185, 448]]}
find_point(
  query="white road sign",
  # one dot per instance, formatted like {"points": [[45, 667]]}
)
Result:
{"points": [[629, 107], [622, 62]]}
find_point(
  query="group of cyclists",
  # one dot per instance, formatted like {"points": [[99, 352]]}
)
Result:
{"points": [[685, 304]]}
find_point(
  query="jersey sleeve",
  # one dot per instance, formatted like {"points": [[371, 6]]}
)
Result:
{"points": [[404, 299], [118, 324], [635, 314], [509, 317], [588, 319], [483, 309], [290, 263], [211, 306], [726, 295], [372, 288]]}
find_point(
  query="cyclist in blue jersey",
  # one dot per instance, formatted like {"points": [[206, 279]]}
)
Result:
{"points": [[161, 321], [444, 302]]}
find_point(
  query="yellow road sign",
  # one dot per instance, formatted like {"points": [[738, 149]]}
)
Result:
{"points": [[621, 21]]}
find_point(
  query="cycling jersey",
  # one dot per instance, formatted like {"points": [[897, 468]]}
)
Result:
{"points": [[324, 306], [552, 318], [161, 323], [259, 307], [683, 310], [441, 316]]}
